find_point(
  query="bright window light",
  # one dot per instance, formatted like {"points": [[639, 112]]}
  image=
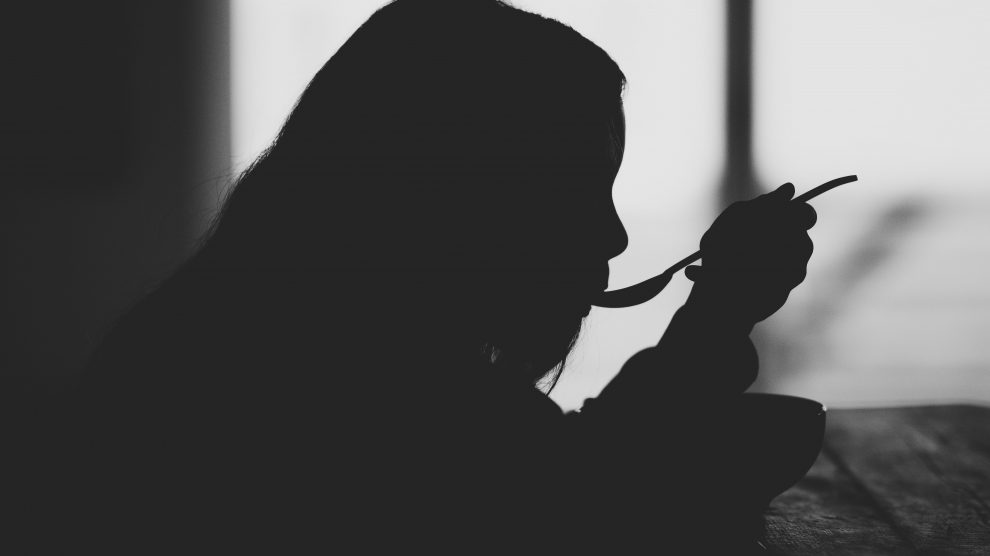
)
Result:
{"points": [[896, 307]]}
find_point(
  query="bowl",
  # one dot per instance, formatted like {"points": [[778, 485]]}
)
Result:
{"points": [[778, 438], [733, 456]]}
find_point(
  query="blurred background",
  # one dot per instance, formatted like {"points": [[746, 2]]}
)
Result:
{"points": [[125, 122]]}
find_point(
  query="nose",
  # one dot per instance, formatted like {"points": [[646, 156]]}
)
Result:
{"points": [[616, 239]]}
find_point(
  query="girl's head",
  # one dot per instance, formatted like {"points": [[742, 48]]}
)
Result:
{"points": [[449, 169]]}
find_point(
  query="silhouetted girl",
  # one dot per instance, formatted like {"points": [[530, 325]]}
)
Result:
{"points": [[354, 358]]}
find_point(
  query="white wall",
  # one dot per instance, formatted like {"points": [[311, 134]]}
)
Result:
{"points": [[896, 306]]}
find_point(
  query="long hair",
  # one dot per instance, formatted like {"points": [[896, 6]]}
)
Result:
{"points": [[362, 328], [429, 176]]}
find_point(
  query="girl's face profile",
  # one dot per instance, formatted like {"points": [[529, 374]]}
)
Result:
{"points": [[568, 246]]}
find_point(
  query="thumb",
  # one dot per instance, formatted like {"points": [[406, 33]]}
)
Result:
{"points": [[785, 191]]}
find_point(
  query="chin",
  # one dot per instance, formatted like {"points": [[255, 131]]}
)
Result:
{"points": [[544, 347], [538, 338]]}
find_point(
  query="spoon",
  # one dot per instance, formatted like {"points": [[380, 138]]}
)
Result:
{"points": [[648, 289]]}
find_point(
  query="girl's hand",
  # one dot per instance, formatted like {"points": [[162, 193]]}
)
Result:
{"points": [[754, 254]]}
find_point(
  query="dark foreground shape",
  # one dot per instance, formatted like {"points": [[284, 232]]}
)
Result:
{"points": [[783, 438], [770, 443]]}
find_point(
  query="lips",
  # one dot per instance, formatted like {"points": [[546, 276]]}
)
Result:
{"points": [[572, 288], [601, 283], [602, 286], [586, 289], [589, 284]]}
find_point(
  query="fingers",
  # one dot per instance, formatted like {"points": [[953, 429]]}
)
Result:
{"points": [[781, 194], [785, 213], [784, 192], [803, 215], [767, 232], [693, 273], [792, 261], [807, 248]]}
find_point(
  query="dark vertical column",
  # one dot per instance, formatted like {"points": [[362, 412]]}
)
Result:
{"points": [[114, 135], [739, 177], [182, 101], [738, 181]]}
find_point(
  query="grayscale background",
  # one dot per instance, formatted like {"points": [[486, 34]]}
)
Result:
{"points": [[124, 122]]}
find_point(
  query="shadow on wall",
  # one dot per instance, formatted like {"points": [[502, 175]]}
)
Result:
{"points": [[870, 251]]}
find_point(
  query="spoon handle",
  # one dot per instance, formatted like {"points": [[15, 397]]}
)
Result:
{"points": [[647, 290], [814, 192]]}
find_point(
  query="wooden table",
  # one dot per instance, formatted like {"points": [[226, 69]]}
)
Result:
{"points": [[910, 480]]}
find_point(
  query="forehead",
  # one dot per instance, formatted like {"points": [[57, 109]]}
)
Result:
{"points": [[565, 139], [589, 154], [617, 135], [600, 134]]}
